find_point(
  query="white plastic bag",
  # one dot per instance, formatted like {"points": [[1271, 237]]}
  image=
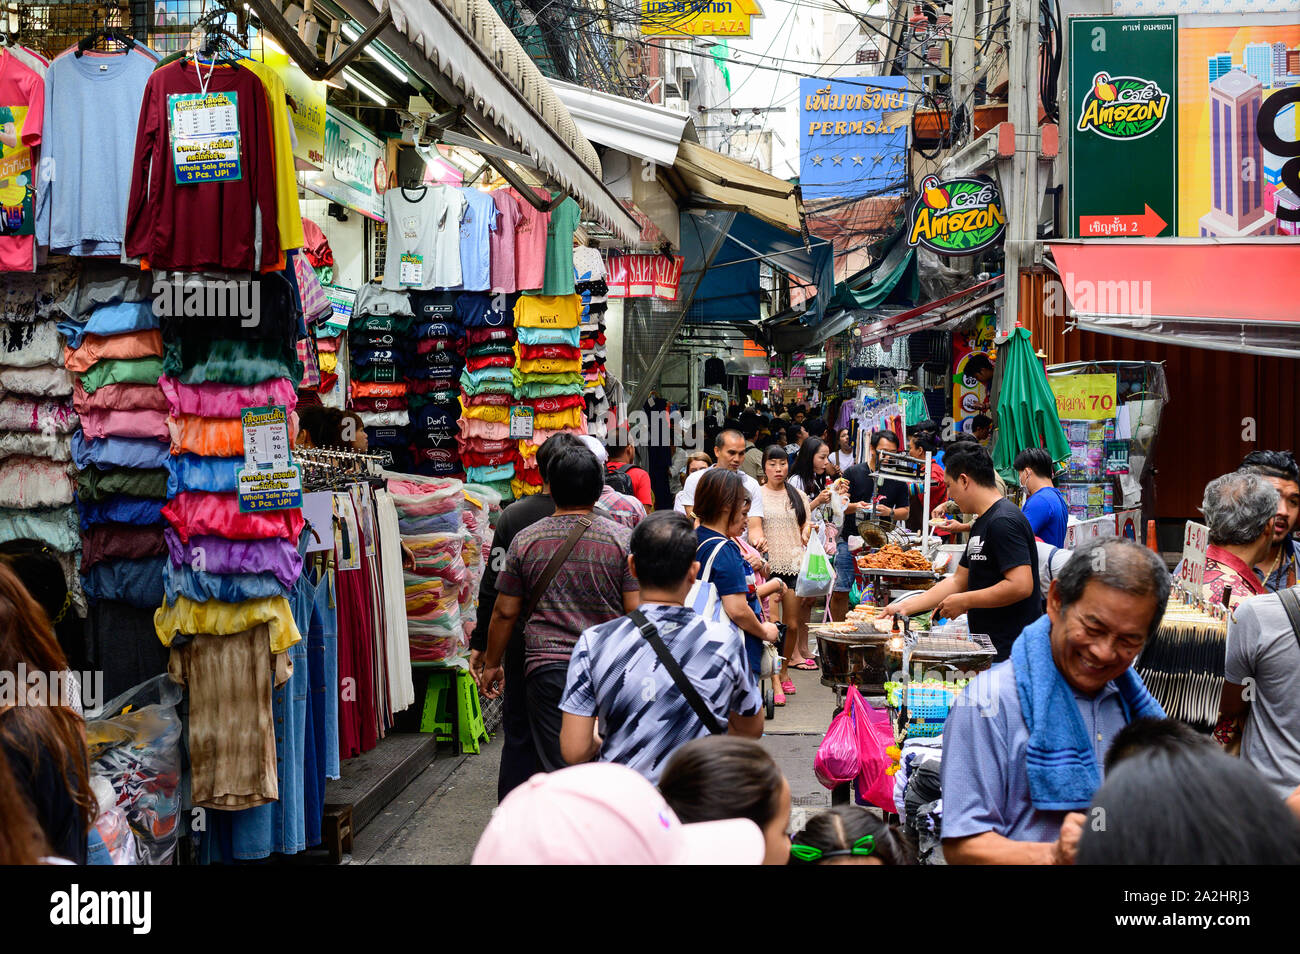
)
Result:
{"points": [[816, 572]]}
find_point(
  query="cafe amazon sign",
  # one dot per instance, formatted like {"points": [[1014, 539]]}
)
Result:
{"points": [[956, 216], [1123, 107]]}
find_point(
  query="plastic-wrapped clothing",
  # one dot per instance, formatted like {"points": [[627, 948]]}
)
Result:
{"points": [[96, 348], [490, 430], [137, 583], [547, 336], [109, 542], [26, 346], [222, 400], [31, 482], [201, 586], [194, 361], [146, 424], [205, 514], [378, 389], [46, 381], [185, 617], [44, 417], [119, 397], [547, 311], [108, 452], [94, 484], [476, 337], [435, 461], [122, 371], [59, 527], [373, 299], [119, 508], [396, 324], [219, 555], [211, 436], [549, 366], [213, 475], [500, 415], [115, 319]]}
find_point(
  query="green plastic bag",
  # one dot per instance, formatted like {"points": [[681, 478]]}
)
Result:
{"points": [[816, 575], [855, 595]]}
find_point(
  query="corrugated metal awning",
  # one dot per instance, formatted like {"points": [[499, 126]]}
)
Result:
{"points": [[731, 184], [639, 129], [470, 57]]}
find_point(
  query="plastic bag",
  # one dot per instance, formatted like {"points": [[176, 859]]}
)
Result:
{"points": [[875, 781], [816, 575], [134, 742], [838, 758]]}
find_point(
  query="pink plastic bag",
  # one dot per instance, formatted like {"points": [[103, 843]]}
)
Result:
{"points": [[875, 735], [838, 758]]}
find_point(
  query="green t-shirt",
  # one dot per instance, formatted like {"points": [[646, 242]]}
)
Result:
{"points": [[94, 484], [559, 248], [122, 371]]}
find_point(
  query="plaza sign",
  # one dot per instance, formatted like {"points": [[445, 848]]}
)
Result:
{"points": [[722, 18]]}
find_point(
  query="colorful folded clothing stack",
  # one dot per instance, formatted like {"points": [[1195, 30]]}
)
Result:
{"points": [[429, 519], [487, 391], [37, 418], [589, 276], [547, 376], [434, 379]]}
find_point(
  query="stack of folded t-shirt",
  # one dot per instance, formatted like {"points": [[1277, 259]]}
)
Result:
{"points": [[433, 377], [589, 275], [37, 418], [547, 375], [490, 456], [381, 345]]}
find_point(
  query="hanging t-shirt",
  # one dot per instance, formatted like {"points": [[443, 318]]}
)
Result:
{"points": [[530, 242], [423, 237], [501, 241], [82, 208], [559, 248], [288, 218], [476, 225], [22, 108]]}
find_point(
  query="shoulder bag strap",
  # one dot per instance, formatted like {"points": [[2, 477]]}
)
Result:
{"points": [[708, 565], [553, 566], [692, 696], [1291, 603]]}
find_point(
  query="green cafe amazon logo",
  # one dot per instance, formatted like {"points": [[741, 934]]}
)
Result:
{"points": [[1123, 107], [956, 217]]}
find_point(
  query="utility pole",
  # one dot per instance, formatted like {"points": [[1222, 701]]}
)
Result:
{"points": [[1019, 175]]}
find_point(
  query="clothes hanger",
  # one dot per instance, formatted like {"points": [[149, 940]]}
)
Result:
{"points": [[107, 32]]}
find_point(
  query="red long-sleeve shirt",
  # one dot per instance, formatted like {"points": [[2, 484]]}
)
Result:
{"points": [[209, 224]]}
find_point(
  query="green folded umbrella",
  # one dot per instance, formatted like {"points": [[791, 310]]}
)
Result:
{"points": [[1026, 407]]}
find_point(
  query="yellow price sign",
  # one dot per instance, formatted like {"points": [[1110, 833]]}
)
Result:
{"points": [[1084, 397], [722, 18]]}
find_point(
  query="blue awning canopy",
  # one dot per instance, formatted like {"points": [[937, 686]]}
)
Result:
{"points": [[722, 251]]}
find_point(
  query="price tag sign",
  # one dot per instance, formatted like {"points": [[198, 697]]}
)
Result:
{"points": [[1196, 540], [205, 137], [411, 269], [262, 489], [266, 436], [521, 423], [1084, 397]]}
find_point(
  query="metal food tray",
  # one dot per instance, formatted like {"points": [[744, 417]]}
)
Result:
{"points": [[906, 574], [975, 650]]}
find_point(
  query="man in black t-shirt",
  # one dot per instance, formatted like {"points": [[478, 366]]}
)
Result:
{"points": [[887, 499], [996, 583]]}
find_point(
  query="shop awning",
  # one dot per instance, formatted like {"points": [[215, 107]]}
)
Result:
{"points": [[1211, 293], [467, 54], [729, 287], [639, 129], [932, 313], [723, 182]]}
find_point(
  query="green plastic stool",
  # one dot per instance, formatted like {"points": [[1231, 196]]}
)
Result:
{"points": [[458, 720]]}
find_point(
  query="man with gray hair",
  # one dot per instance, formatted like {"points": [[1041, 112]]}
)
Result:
{"points": [[1239, 509], [1024, 747]]}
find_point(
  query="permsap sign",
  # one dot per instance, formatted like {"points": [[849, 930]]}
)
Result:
{"points": [[956, 217], [1123, 107]]}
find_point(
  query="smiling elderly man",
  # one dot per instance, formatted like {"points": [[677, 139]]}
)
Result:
{"points": [[1023, 749]]}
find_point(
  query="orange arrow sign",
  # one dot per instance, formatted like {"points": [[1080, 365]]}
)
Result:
{"points": [[1146, 225]]}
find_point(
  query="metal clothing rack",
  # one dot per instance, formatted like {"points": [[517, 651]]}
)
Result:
{"points": [[327, 468]]}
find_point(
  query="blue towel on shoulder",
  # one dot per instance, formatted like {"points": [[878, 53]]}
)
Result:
{"points": [[1063, 770]]}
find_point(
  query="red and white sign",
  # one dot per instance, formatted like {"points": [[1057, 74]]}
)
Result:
{"points": [[644, 276], [1196, 540]]}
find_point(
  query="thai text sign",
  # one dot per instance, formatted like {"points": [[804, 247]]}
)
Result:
{"points": [[853, 136], [725, 18], [1084, 397]]}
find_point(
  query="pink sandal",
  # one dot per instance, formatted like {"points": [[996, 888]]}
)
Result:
{"points": [[787, 687]]}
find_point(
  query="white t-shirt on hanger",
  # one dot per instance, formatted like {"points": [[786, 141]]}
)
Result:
{"points": [[423, 238]]}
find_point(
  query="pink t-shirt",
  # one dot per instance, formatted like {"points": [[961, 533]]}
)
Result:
{"points": [[530, 242], [501, 242], [22, 108]]}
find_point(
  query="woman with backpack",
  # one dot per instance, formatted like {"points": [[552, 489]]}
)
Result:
{"points": [[722, 509]]}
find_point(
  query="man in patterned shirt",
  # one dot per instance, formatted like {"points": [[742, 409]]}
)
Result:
{"points": [[616, 677], [593, 585], [1239, 510]]}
